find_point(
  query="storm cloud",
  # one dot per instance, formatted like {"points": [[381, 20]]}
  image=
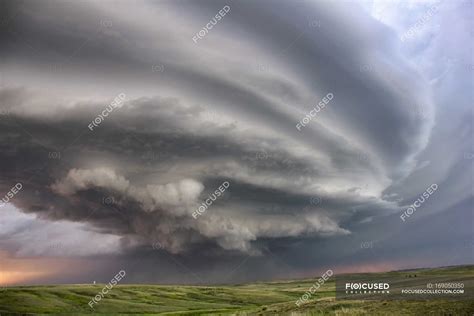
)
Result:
{"points": [[224, 108]]}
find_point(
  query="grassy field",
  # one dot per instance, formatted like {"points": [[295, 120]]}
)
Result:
{"points": [[273, 298]]}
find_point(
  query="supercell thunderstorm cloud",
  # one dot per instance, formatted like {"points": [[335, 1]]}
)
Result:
{"points": [[121, 120]]}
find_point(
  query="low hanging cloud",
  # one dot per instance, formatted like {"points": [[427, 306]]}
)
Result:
{"points": [[77, 180], [174, 204]]}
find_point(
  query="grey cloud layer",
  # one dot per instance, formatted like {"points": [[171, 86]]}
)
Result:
{"points": [[222, 109]]}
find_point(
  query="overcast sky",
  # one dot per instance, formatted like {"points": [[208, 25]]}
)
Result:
{"points": [[226, 106]]}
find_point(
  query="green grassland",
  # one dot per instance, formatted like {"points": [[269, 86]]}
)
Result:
{"points": [[270, 298]]}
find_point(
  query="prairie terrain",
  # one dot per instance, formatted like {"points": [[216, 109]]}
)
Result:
{"points": [[266, 298]]}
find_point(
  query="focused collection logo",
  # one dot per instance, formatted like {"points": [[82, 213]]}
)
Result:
{"points": [[367, 288]]}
